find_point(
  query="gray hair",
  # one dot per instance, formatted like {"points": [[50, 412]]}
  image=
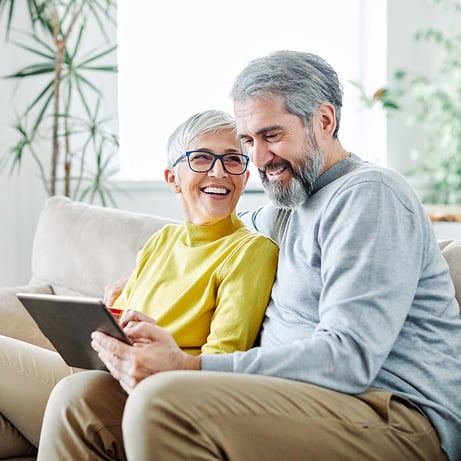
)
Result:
{"points": [[196, 125], [302, 81]]}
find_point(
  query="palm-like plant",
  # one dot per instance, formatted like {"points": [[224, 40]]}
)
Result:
{"points": [[66, 108]]}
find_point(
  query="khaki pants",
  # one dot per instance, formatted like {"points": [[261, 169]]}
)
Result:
{"points": [[178, 416], [27, 375]]}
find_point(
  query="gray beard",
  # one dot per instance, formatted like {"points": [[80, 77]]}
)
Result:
{"points": [[303, 178]]}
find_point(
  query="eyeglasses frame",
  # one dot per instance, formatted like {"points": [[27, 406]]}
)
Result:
{"points": [[216, 157]]}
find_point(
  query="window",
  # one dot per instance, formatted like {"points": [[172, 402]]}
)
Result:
{"points": [[179, 57]]}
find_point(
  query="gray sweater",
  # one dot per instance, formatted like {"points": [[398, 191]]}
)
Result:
{"points": [[363, 297]]}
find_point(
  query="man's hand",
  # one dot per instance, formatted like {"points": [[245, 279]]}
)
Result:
{"points": [[154, 350]]}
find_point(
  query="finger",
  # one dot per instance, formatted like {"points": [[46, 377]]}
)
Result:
{"points": [[121, 363], [131, 315], [142, 332], [102, 342], [114, 353], [116, 368], [110, 295]]}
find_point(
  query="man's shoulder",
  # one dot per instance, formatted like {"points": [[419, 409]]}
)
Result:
{"points": [[365, 174]]}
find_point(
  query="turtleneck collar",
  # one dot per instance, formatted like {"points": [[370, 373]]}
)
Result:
{"points": [[198, 234]]}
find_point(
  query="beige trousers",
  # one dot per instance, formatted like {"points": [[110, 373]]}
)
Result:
{"points": [[27, 375], [178, 416]]}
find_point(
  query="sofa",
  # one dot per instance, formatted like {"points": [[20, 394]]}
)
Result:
{"points": [[79, 248]]}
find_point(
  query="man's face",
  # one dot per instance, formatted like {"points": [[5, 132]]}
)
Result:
{"points": [[284, 151]]}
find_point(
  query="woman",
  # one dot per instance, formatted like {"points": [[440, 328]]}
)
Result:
{"points": [[207, 281], [206, 294]]}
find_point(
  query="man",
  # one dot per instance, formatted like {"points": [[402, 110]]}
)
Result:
{"points": [[358, 358]]}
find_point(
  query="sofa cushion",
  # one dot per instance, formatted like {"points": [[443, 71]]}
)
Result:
{"points": [[79, 248]]}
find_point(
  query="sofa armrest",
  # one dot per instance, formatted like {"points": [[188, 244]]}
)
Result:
{"points": [[15, 320]]}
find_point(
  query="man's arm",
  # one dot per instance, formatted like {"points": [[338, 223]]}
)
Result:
{"points": [[371, 246]]}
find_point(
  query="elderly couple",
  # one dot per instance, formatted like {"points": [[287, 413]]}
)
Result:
{"points": [[357, 357]]}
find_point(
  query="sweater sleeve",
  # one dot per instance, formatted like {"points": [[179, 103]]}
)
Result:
{"points": [[122, 302], [243, 295]]}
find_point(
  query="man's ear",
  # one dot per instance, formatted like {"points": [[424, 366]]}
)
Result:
{"points": [[170, 178], [326, 114]]}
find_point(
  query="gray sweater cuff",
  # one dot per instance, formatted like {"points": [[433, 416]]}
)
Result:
{"points": [[217, 362]]}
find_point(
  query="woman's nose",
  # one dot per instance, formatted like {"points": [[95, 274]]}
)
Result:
{"points": [[218, 169]]}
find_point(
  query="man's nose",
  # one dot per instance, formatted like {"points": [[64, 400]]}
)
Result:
{"points": [[259, 153]]}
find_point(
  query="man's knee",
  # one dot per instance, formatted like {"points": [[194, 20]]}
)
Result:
{"points": [[159, 414], [154, 396], [80, 386]]}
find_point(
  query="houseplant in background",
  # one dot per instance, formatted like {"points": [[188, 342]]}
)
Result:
{"points": [[436, 99], [432, 102], [61, 127]]}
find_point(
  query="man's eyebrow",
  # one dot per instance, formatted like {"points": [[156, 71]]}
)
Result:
{"points": [[266, 129]]}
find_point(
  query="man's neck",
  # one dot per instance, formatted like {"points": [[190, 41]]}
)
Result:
{"points": [[334, 154]]}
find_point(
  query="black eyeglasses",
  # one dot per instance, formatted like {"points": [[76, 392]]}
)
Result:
{"points": [[202, 161]]}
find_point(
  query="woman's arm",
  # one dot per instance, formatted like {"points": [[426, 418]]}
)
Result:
{"points": [[242, 296]]}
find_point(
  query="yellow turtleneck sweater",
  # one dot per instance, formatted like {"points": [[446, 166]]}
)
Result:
{"points": [[208, 285]]}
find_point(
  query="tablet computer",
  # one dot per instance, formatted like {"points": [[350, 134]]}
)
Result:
{"points": [[68, 321]]}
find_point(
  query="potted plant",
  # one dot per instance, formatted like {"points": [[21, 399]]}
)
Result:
{"points": [[62, 128]]}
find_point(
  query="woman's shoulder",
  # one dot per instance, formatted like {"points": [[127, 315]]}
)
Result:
{"points": [[254, 238]]}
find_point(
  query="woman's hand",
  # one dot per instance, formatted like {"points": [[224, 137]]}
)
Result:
{"points": [[112, 291], [154, 350]]}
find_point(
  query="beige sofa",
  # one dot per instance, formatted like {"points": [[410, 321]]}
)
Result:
{"points": [[80, 248]]}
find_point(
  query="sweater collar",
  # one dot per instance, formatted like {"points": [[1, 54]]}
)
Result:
{"points": [[196, 234], [336, 171]]}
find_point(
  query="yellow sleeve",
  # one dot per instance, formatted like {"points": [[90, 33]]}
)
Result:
{"points": [[122, 302], [242, 296]]}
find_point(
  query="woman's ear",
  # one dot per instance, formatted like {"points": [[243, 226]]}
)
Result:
{"points": [[247, 176], [170, 178]]}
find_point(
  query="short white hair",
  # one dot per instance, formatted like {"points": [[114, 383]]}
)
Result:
{"points": [[196, 125]]}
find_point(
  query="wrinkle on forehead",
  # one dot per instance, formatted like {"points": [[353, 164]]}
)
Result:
{"points": [[256, 116]]}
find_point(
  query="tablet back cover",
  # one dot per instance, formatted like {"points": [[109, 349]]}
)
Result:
{"points": [[68, 322]]}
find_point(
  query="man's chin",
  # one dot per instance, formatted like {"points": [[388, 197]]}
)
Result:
{"points": [[283, 196]]}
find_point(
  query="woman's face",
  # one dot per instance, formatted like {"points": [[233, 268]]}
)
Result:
{"points": [[212, 196]]}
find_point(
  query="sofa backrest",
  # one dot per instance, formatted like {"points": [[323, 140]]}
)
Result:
{"points": [[79, 248]]}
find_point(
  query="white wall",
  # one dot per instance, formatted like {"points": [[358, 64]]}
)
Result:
{"points": [[22, 197]]}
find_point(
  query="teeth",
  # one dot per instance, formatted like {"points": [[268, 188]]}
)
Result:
{"points": [[276, 171], [215, 190]]}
